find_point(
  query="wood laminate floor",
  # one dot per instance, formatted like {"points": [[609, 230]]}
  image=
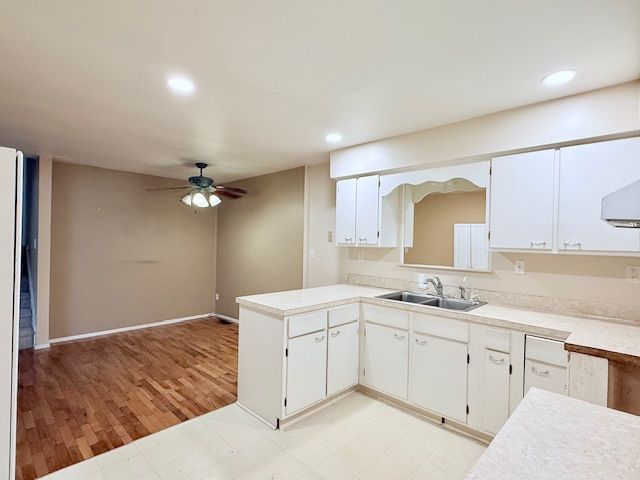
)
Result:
{"points": [[82, 398]]}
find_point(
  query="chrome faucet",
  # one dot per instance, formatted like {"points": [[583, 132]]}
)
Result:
{"points": [[437, 284]]}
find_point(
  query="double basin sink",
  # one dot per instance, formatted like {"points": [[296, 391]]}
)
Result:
{"points": [[459, 304]]}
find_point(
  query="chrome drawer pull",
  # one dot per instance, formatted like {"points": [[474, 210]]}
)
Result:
{"points": [[540, 373], [350, 239], [537, 244], [399, 337], [362, 240], [319, 339], [335, 334], [495, 360], [421, 342], [572, 244]]}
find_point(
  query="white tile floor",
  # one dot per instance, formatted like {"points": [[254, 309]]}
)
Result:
{"points": [[355, 438]]}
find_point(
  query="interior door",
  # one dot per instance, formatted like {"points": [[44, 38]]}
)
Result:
{"points": [[10, 248], [386, 359], [367, 210], [522, 193], [439, 376], [306, 370], [496, 390], [346, 212], [342, 357], [588, 173]]}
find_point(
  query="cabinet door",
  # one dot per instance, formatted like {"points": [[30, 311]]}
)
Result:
{"points": [[479, 249], [522, 192], [588, 173], [496, 390], [461, 245], [386, 359], [342, 357], [346, 212], [367, 208], [439, 376], [306, 371]]}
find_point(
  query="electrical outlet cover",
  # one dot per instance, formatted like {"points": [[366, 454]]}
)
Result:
{"points": [[519, 267], [361, 256], [633, 273]]}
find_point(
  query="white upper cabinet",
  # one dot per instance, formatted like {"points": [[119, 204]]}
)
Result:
{"points": [[588, 173], [363, 217], [346, 212], [522, 201], [367, 210]]}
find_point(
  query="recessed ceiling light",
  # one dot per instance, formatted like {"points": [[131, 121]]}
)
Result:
{"points": [[558, 78], [181, 85], [333, 138]]}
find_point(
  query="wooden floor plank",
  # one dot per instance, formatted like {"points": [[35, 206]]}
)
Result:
{"points": [[82, 398]]}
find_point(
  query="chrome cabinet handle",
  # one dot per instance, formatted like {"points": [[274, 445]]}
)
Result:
{"points": [[543, 373], [421, 342], [362, 240], [319, 339], [492, 359], [348, 239], [336, 333], [399, 337], [572, 244], [537, 244]]}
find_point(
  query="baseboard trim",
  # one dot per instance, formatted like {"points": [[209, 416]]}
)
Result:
{"points": [[128, 329], [40, 346], [226, 318]]}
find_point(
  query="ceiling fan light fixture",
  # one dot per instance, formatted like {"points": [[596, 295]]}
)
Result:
{"points": [[214, 200], [199, 200]]}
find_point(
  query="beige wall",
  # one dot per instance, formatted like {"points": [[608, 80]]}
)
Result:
{"points": [[612, 111], [260, 238], [322, 257], [434, 217], [121, 256]]}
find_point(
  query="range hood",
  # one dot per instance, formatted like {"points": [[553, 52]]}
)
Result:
{"points": [[622, 207]]}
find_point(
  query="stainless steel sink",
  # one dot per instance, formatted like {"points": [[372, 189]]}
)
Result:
{"points": [[459, 304]]}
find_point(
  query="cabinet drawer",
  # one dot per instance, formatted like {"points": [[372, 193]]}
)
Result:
{"points": [[545, 376], [344, 314], [307, 323], [499, 340], [545, 350], [390, 317], [441, 327]]}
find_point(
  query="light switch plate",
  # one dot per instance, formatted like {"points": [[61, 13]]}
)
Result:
{"points": [[217, 296], [633, 273], [312, 253], [518, 267]]}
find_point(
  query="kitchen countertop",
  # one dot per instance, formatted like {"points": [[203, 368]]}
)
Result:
{"points": [[551, 436], [617, 341]]}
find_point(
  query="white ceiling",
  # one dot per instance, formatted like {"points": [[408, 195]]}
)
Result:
{"points": [[86, 80]]}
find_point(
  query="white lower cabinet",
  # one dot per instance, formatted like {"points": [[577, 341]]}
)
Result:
{"points": [[439, 376], [386, 359], [545, 365], [342, 357], [497, 377], [306, 371]]}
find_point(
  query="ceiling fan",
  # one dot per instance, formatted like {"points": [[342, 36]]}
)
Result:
{"points": [[203, 192]]}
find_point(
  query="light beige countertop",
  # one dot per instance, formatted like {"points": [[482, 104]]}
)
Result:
{"points": [[593, 336], [551, 436]]}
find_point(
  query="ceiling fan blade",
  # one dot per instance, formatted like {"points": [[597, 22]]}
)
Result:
{"points": [[167, 188], [227, 193], [237, 191]]}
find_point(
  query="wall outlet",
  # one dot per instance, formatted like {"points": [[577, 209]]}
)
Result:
{"points": [[217, 296], [633, 273], [361, 256], [330, 236], [518, 267], [312, 253]]}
